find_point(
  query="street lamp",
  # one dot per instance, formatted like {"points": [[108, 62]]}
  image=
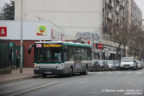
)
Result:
{"points": [[21, 38]]}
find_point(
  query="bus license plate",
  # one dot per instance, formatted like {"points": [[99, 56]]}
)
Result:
{"points": [[48, 72]]}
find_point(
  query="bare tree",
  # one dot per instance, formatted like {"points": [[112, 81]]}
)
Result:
{"points": [[8, 11]]}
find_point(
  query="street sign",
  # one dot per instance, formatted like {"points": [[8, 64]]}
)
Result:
{"points": [[3, 31], [100, 46]]}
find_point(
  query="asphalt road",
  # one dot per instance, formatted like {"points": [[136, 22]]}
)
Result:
{"points": [[112, 83]]}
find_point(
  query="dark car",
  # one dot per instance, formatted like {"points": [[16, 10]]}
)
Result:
{"points": [[100, 65]]}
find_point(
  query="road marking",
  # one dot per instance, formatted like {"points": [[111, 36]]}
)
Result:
{"points": [[109, 72], [129, 83], [129, 72], [33, 89], [139, 72], [119, 73], [82, 82], [100, 72], [93, 92]]}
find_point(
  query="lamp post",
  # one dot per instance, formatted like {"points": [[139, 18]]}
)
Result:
{"points": [[21, 38]]}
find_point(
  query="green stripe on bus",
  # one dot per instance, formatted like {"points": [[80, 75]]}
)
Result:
{"points": [[74, 44], [47, 63]]}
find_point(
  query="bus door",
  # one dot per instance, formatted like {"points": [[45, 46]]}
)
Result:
{"points": [[77, 61]]}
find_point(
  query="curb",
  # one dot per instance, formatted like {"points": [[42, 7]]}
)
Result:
{"points": [[17, 79]]}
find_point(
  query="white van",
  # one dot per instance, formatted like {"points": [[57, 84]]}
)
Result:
{"points": [[128, 63]]}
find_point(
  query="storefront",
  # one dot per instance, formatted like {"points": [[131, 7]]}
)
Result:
{"points": [[32, 32]]}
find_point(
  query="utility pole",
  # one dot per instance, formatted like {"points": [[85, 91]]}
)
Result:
{"points": [[21, 38]]}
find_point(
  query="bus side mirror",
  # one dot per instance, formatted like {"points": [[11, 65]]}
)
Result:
{"points": [[30, 48]]}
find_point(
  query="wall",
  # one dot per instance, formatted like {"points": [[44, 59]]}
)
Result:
{"points": [[31, 30], [28, 58], [72, 15]]}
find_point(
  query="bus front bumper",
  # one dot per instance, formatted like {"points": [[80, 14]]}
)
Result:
{"points": [[49, 71]]}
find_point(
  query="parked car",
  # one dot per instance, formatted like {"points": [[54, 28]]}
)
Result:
{"points": [[100, 65], [116, 64], [104, 67], [128, 63], [142, 62], [139, 64], [110, 64], [96, 65]]}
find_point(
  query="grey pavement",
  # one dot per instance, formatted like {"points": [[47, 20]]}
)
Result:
{"points": [[108, 83], [16, 75]]}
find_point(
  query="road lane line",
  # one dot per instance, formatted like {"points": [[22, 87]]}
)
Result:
{"points": [[99, 72], [139, 72], [33, 89], [109, 72], [119, 72], [93, 92], [129, 72]]}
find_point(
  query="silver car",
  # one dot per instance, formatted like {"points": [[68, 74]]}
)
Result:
{"points": [[100, 65], [110, 64], [128, 63]]}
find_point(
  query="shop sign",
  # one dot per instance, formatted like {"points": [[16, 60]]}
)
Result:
{"points": [[3, 31], [42, 30]]}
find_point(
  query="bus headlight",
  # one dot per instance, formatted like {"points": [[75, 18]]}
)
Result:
{"points": [[60, 66], [36, 67]]}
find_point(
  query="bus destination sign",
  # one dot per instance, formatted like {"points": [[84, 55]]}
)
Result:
{"points": [[52, 45]]}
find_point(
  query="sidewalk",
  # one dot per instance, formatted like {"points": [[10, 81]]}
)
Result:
{"points": [[16, 75]]}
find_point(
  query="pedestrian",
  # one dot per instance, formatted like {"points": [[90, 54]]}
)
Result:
{"points": [[17, 62]]}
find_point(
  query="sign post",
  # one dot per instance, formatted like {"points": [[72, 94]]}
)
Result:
{"points": [[21, 41]]}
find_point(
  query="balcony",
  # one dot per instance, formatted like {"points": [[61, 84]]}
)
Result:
{"points": [[109, 16], [117, 9], [122, 5], [118, 1], [110, 3]]}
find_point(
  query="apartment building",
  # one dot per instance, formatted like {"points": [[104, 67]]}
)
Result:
{"points": [[74, 16], [136, 28], [116, 24], [115, 16]]}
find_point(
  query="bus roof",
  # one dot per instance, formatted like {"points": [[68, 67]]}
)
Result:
{"points": [[66, 43]]}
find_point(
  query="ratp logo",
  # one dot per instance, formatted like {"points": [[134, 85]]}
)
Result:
{"points": [[42, 30]]}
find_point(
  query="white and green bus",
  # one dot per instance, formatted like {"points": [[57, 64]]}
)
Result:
{"points": [[60, 58]]}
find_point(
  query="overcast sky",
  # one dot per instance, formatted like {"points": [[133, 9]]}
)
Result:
{"points": [[2, 2], [140, 3]]}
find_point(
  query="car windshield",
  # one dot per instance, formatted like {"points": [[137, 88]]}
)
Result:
{"points": [[110, 62], [100, 62], [127, 59]]}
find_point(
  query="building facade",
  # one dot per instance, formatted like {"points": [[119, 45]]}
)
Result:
{"points": [[135, 29], [10, 32], [107, 22], [72, 15]]}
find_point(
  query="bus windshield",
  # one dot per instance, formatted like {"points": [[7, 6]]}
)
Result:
{"points": [[49, 55]]}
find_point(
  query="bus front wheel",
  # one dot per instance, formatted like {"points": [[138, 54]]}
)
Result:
{"points": [[44, 75]]}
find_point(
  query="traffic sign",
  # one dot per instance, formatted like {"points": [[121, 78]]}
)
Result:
{"points": [[3, 31], [100, 46]]}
